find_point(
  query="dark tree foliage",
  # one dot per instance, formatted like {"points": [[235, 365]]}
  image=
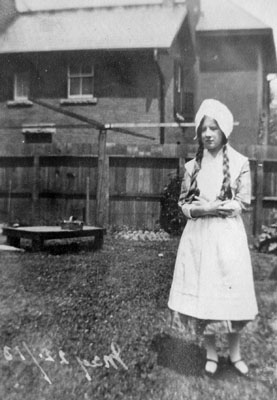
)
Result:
{"points": [[173, 220]]}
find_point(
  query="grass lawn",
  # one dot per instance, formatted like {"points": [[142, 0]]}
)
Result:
{"points": [[66, 318]]}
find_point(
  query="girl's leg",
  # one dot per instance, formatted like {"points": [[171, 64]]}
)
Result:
{"points": [[212, 357], [235, 356]]}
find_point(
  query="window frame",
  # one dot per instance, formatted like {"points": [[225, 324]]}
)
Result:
{"points": [[183, 99], [80, 75], [26, 75]]}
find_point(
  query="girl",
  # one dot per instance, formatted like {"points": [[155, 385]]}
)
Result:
{"points": [[213, 285]]}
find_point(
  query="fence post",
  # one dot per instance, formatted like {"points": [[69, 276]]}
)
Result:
{"points": [[181, 166], [102, 194], [10, 202], [35, 191], [259, 197], [87, 213]]}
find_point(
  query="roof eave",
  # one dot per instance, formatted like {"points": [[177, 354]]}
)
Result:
{"points": [[271, 65], [35, 51], [234, 32]]}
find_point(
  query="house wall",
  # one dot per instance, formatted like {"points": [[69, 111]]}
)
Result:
{"points": [[126, 88], [183, 52], [238, 90], [231, 72]]}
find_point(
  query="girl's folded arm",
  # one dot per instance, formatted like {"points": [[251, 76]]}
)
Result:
{"points": [[243, 189]]}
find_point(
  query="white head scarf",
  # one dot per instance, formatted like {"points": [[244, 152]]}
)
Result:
{"points": [[218, 111]]}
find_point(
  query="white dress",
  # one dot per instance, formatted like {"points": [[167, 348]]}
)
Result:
{"points": [[213, 278]]}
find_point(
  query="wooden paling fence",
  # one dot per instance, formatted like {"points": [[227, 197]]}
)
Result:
{"points": [[46, 188], [112, 184]]}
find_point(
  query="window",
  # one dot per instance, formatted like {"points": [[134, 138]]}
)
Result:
{"points": [[184, 98], [21, 86], [179, 92], [180, 80], [21, 90], [80, 80]]}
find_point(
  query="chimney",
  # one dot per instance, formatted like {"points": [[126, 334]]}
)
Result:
{"points": [[7, 13], [194, 9]]}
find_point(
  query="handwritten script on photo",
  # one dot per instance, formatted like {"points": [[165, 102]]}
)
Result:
{"points": [[12, 354]]}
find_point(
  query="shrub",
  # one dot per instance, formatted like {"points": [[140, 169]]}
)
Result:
{"points": [[172, 219]]}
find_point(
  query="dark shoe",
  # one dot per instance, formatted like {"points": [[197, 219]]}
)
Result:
{"points": [[237, 369], [207, 372]]}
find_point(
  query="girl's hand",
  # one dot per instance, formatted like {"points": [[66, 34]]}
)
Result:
{"points": [[227, 209], [217, 208], [201, 201]]}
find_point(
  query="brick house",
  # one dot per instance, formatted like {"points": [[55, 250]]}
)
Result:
{"points": [[132, 61], [114, 61]]}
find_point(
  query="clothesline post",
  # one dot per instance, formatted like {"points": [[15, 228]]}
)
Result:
{"points": [[102, 194]]}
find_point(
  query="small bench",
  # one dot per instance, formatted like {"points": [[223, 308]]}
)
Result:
{"points": [[38, 234]]}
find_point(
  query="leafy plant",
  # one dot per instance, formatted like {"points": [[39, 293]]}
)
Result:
{"points": [[267, 240], [172, 218]]}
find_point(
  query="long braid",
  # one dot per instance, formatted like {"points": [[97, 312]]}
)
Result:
{"points": [[225, 191], [188, 195], [194, 190]]}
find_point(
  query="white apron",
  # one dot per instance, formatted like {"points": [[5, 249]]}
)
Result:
{"points": [[213, 277]]}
